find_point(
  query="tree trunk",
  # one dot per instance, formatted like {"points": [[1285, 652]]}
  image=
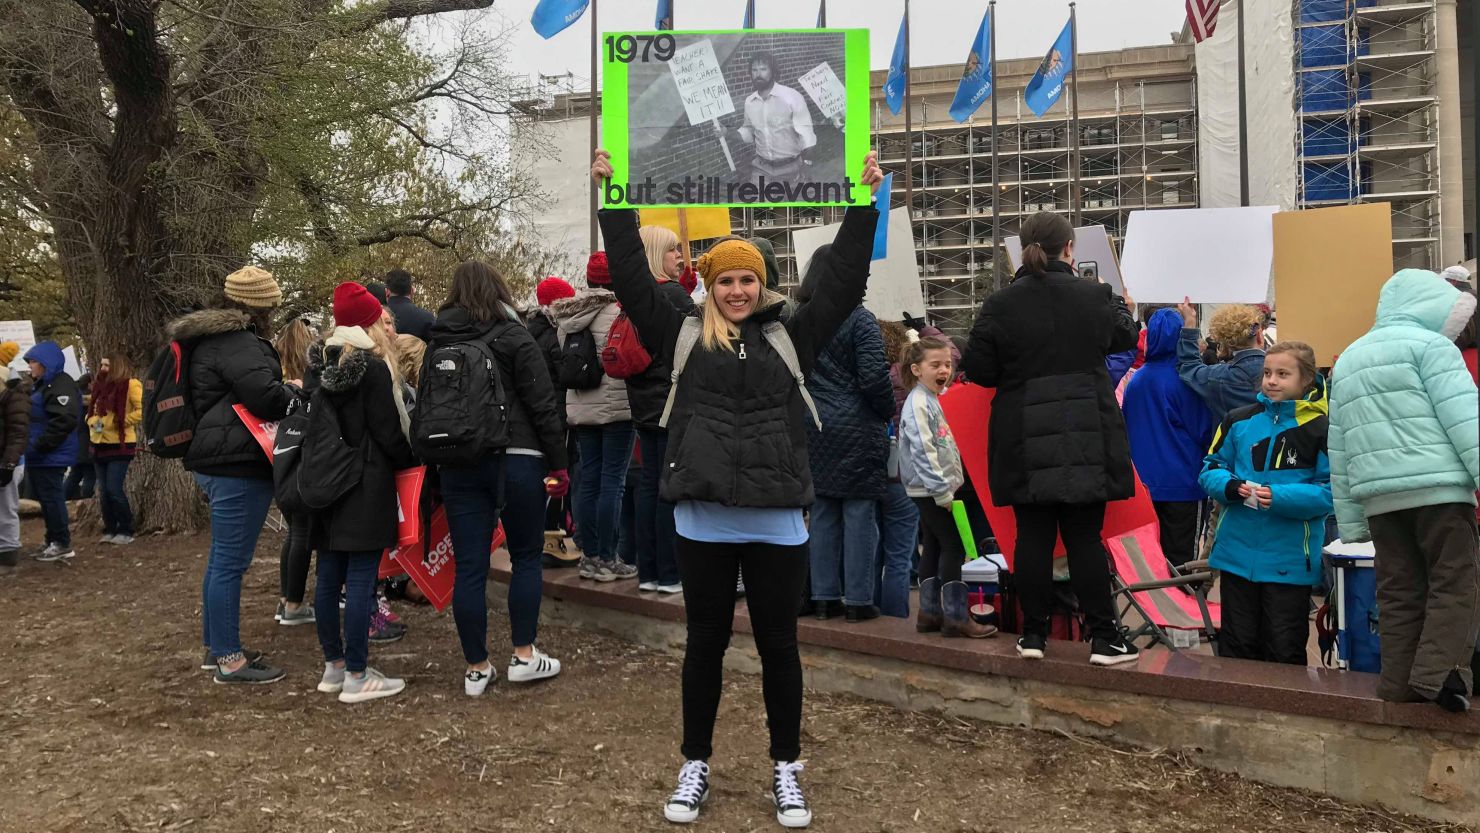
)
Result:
{"points": [[164, 497]]}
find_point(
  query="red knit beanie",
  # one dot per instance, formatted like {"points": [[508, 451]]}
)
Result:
{"points": [[597, 273], [552, 289], [354, 306]]}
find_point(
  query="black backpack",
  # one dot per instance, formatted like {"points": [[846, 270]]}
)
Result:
{"points": [[169, 417], [461, 413], [287, 455], [579, 365], [328, 466]]}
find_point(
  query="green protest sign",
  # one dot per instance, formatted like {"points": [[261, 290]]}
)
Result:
{"points": [[746, 118]]}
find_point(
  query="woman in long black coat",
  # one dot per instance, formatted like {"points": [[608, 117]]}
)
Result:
{"points": [[1057, 450]]}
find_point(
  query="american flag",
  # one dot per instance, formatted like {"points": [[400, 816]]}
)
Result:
{"points": [[1202, 16]]}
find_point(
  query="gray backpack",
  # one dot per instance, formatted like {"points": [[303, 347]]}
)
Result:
{"points": [[775, 334]]}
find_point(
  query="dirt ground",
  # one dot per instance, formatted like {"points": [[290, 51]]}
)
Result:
{"points": [[106, 723]]}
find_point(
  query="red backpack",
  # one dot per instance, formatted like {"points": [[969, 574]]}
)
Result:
{"points": [[624, 356]]}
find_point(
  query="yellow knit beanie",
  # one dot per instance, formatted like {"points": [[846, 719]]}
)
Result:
{"points": [[254, 287], [727, 255], [8, 350]]}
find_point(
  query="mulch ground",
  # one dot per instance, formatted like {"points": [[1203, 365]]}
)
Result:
{"points": [[106, 723]]}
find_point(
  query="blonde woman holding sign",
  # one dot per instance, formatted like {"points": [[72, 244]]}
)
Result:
{"points": [[736, 466]]}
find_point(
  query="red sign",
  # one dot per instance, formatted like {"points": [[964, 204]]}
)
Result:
{"points": [[968, 410], [408, 504], [433, 572], [263, 431]]}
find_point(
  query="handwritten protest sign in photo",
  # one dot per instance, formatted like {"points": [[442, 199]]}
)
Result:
{"points": [[736, 118]]}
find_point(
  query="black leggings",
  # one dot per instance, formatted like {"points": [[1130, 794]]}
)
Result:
{"points": [[943, 550], [1079, 524], [773, 585], [293, 561]]}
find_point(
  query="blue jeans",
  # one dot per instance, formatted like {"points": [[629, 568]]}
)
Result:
{"points": [[627, 520], [52, 496], [473, 496], [657, 553], [524, 527], [899, 534], [118, 516], [606, 452], [238, 510], [845, 537], [356, 572]]}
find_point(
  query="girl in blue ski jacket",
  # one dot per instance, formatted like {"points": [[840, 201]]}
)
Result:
{"points": [[1268, 466]]}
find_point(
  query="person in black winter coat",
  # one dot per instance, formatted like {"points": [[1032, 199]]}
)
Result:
{"points": [[855, 399], [362, 388], [657, 551], [231, 363], [518, 480], [1057, 449], [737, 468]]}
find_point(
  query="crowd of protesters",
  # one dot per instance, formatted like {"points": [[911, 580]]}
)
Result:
{"points": [[699, 433]]}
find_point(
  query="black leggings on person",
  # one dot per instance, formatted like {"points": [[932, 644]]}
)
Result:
{"points": [[1079, 524], [943, 551], [773, 583], [293, 562]]}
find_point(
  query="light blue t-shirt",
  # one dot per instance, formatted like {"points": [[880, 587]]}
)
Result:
{"points": [[716, 523]]}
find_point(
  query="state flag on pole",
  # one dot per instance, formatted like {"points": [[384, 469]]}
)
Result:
{"points": [[1047, 83], [1202, 18], [749, 22], [663, 19], [551, 17], [894, 81], [976, 80]]}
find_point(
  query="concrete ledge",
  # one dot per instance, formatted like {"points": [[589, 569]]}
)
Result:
{"points": [[1312, 729]]}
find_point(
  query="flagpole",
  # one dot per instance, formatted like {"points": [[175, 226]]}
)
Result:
{"points": [[1243, 116], [1074, 117], [595, 53], [909, 139], [996, 191]]}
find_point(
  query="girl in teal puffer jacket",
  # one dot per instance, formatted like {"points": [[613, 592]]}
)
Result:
{"points": [[1405, 458], [1268, 467]]}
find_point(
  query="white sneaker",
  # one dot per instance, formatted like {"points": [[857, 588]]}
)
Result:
{"points": [[333, 679], [372, 685], [476, 682], [122, 540], [539, 666], [791, 805], [107, 539], [693, 789], [670, 589], [648, 586], [54, 552]]}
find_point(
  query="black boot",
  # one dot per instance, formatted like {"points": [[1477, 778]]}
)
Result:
{"points": [[9, 561], [861, 613], [828, 610], [1452, 696]]}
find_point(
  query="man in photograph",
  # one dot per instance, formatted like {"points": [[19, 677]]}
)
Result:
{"points": [[778, 124]]}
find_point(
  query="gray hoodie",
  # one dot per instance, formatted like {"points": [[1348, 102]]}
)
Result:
{"points": [[596, 310]]}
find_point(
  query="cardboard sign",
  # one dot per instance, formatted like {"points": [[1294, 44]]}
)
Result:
{"points": [[1093, 248], [20, 332], [70, 365], [893, 283], [434, 572], [968, 410], [748, 118], [1212, 255], [1329, 267], [408, 504], [263, 431], [703, 223], [827, 92]]}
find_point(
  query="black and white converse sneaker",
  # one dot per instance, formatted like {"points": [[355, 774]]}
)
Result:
{"points": [[693, 788], [791, 805], [1112, 652]]}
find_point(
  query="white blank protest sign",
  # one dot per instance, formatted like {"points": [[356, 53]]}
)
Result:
{"points": [[1091, 245], [701, 83], [893, 283], [1213, 255], [827, 92]]}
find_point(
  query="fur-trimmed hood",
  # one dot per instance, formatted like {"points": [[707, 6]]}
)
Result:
{"points": [[340, 377], [572, 315], [209, 322]]}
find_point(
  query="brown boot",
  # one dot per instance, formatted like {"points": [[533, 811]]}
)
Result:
{"points": [[928, 618], [955, 603]]}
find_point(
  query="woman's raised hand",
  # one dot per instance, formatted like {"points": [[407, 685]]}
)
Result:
{"points": [[601, 166], [873, 175]]}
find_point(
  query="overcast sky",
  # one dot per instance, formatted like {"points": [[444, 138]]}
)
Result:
{"points": [[941, 30]]}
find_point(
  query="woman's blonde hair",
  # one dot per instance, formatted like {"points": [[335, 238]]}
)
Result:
{"points": [[385, 349], [292, 346], [657, 241], [410, 351], [1235, 327], [719, 332], [1305, 359]]}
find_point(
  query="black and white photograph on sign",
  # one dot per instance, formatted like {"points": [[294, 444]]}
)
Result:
{"points": [[731, 109]]}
